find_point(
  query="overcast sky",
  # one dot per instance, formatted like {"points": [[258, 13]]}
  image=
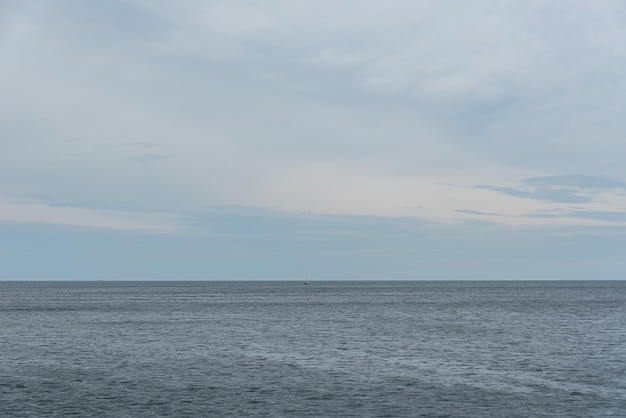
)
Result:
{"points": [[353, 139]]}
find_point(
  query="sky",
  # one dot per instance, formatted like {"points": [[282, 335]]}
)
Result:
{"points": [[353, 139]]}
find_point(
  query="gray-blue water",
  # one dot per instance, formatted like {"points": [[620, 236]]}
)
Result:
{"points": [[345, 349]]}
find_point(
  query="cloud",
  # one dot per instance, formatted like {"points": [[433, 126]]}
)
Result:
{"points": [[245, 243], [148, 157], [478, 212], [95, 218], [617, 217], [492, 111], [597, 183], [541, 193], [561, 189]]}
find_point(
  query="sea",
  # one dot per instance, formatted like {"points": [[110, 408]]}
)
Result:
{"points": [[327, 349]]}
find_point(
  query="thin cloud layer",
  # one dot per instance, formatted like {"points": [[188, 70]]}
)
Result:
{"points": [[404, 89], [242, 243], [562, 189], [34, 212], [491, 112]]}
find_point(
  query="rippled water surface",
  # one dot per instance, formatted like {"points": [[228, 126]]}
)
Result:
{"points": [[345, 349]]}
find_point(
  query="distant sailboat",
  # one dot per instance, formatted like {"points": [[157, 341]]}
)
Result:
{"points": [[305, 280]]}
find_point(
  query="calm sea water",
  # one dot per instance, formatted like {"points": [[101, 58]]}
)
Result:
{"points": [[345, 349]]}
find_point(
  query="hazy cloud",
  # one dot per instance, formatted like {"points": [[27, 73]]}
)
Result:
{"points": [[596, 183], [481, 111], [551, 194], [148, 157], [561, 189], [94, 218], [263, 245], [584, 214], [477, 212]]}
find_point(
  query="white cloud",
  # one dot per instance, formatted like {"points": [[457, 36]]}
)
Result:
{"points": [[348, 107], [42, 213]]}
